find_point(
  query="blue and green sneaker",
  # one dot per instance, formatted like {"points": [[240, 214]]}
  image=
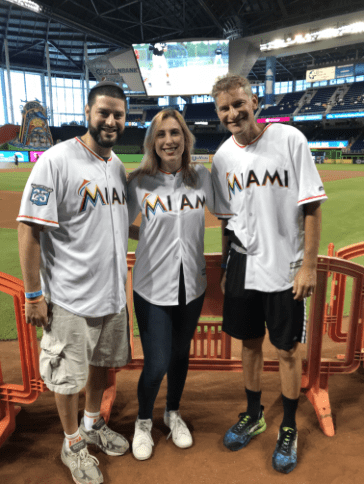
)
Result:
{"points": [[285, 454], [240, 434]]}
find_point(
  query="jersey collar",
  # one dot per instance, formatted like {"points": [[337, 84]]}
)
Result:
{"points": [[168, 173], [90, 150], [254, 140]]}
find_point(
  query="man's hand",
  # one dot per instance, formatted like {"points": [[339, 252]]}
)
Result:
{"points": [[304, 283], [37, 314], [223, 280]]}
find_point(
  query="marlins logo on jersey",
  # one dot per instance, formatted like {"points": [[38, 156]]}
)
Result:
{"points": [[90, 192], [151, 207]]}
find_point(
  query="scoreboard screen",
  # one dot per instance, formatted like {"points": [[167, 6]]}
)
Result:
{"points": [[181, 68]]}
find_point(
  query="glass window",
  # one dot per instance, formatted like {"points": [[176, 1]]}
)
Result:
{"points": [[2, 97], [163, 101], [34, 87], [19, 95]]}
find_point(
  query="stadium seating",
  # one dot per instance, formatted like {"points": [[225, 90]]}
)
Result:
{"points": [[338, 134], [353, 100], [359, 144], [151, 112], [285, 107], [209, 142], [319, 102], [201, 112]]}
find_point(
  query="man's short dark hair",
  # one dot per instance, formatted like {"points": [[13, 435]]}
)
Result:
{"points": [[105, 88]]}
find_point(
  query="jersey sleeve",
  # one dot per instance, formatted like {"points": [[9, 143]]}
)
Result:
{"points": [[132, 200], [218, 176], [310, 186], [39, 200]]}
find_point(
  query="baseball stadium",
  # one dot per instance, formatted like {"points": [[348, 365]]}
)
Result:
{"points": [[305, 64]]}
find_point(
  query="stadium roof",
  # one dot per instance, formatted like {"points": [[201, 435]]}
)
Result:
{"points": [[108, 25]]}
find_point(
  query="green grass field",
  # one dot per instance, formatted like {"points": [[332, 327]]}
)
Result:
{"points": [[342, 224]]}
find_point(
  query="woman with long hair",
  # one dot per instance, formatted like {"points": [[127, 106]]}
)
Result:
{"points": [[169, 276]]}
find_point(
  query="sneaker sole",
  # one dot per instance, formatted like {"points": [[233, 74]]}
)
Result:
{"points": [[63, 459], [239, 445], [284, 470], [142, 458]]}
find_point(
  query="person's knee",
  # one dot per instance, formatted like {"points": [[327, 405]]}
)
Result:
{"points": [[253, 345], [289, 355], [155, 374]]}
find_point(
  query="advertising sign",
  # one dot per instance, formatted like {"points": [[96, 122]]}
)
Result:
{"points": [[328, 144], [283, 119], [120, 67], [345, 71], [308, 117], [357, 114], [200, 158], [34, 156], [324, 74], [10, 156]]}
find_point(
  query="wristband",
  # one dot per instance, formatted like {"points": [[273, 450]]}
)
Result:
{"points": [[223, 266], [33, 295], [33, 301]]}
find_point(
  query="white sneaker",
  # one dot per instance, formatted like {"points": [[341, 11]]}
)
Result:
{"points": [[181, 436], [142, 445]]}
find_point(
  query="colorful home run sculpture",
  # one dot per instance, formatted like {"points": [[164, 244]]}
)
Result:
{"points": [[34, 132]]}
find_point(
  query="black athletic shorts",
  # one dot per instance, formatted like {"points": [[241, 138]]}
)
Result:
{"points": [[248, 312]]}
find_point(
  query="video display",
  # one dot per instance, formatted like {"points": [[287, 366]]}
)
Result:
{"points": [[182, 68]]}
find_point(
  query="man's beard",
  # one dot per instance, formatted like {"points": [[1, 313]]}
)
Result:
{"points": [[96, 133]]}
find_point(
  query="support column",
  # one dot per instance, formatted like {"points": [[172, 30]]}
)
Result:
{"points": [[270, 77], [7, 60], [49, 85], [3, 90], [87, 75], [86, 80]]}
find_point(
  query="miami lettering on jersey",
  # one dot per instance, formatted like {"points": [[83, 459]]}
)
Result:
{"points": [[90, 192], [234, 185], [151, 207]]}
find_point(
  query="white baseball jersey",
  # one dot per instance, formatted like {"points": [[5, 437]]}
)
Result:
{"points": [[81, 202], [171, 234], [261, 188]]}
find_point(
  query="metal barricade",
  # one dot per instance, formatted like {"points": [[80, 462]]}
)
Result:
{"points": [[211, 348]]}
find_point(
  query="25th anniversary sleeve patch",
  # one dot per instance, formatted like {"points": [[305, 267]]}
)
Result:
{"points": [[40, 194]]}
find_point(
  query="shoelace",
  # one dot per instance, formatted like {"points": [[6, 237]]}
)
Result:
{"points": [[106, 434], [243, 421], [85, 459], [178, 425], [144, 436], [289, 435]]}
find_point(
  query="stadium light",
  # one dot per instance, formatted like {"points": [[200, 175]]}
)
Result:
{"points": [[330, 33], [34, 7]]}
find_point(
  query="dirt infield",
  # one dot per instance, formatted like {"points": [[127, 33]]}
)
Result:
{"points": [[210, 405]]}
